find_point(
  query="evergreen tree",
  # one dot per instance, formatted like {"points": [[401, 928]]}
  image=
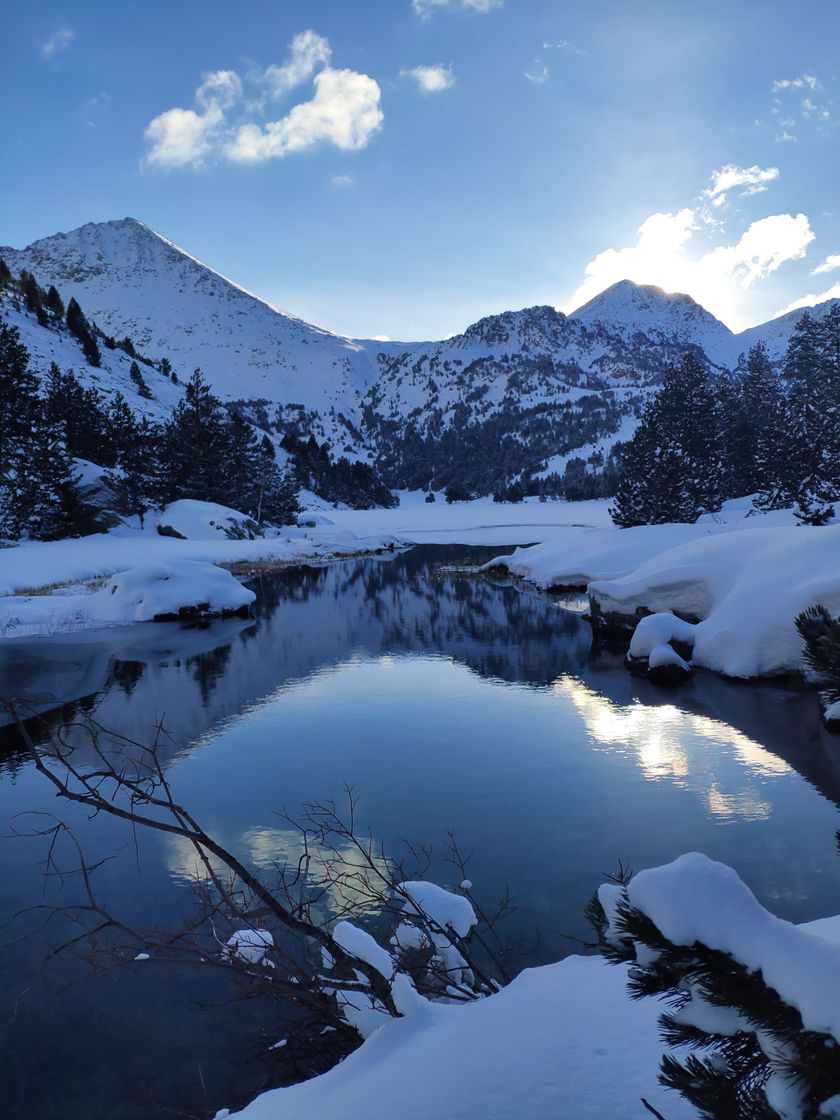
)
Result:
{"points": [[39, 497], [244, 461], [812, 462], [6, 277], [79, 327], [80, 412], [18, 396], [135, 478], [54, 303], [737, 1031], [194, 452], [277, 499], [143, 389], [672, 469]]}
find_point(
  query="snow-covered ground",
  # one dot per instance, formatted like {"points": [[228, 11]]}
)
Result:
{"points": [[58, 570], [481, 522], [563, 1040]]}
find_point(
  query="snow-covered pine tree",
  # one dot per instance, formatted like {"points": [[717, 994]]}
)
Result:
{"points": [[751, 1056], [810, 473], [672, 469]]}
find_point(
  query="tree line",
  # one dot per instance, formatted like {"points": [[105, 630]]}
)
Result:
{"points": [[203, 451], [705, 438]]}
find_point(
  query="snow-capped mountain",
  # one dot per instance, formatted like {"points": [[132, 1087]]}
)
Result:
{"points": [[536, 385]]}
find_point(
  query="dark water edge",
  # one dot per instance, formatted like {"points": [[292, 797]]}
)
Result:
{"points": [[448, 700]]}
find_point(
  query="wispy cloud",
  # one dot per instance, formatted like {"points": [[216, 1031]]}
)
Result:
{"points": [[790, 109], [425, 8], [830, 264], [430, 79], [344, 111], [753, 180], [341, 182], [538, 75], [59, 41]]}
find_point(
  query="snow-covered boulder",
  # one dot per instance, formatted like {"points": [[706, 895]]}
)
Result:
{"points": [[206, 521], [176, 589]]}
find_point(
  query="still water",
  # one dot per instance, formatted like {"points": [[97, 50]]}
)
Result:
{"points": [[448, 702]]}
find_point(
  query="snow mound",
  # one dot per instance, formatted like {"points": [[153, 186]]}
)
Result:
{"points": [[177, 589], [746, 587], [444, 909], [206, 521], [359, 943], [563, 1040]]}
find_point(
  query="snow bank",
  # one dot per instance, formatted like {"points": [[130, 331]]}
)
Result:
{"points": [[560, 1041], [42, 564], [206, 521], [746, 587], [151, 592], [696, 899], [581, 554]]}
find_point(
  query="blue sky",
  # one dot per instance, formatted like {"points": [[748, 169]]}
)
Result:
{"points": [[402, 167]]}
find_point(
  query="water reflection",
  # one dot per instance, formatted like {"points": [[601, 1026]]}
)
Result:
{"points": [[450, 701], [664, 741]]}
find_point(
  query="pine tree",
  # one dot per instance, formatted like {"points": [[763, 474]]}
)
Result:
{"points": [[672, 469], [19, 399], [737, 1030], [195, 446], [277, 491], [143, 389], [79, 327], [39, 498], [135, 477], [54, 303], [812, 371], [6, 277], [81, 412]]}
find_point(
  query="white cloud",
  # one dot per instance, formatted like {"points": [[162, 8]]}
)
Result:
{"points": [[809, 80], [181, 137], [754, 179], [308, 51], [812, 299], [381, 338], [344, 111], [538, 76], [219, 90], [341, 181], [785, 137], [59, 41], [670, 254], [830, 264], [426, 7], [430, 79]]}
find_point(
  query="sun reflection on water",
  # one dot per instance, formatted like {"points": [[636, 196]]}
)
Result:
{"points": [[690, 750]]}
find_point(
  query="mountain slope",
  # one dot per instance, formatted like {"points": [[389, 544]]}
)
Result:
{"points": [[515, 393]]}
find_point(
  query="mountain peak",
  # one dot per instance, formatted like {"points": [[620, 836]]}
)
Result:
{"points": [[648, 308]]}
